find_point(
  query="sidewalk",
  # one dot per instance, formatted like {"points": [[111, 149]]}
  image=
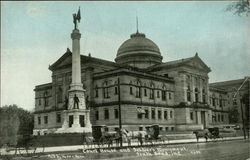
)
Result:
{"points": [[171, 142], [78, 148]]}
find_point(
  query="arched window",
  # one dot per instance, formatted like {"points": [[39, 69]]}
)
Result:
{"points": [[196, 95], [59, 95]]}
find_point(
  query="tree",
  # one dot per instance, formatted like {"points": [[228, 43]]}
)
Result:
{"points": [[14, 121], [241, 7]]}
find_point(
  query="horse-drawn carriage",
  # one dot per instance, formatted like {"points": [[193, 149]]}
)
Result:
{"points": [[101, 136], [209, 133]]}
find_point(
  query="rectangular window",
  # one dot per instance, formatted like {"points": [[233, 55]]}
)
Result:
{"points": [[116, 113], [163, 95], [97, 115], [96, 92], [145, 92], [218, 118], [137, 92], [158, 94], [151, 94], [131, 90], [191, 116], [106, 129], [146, 113], [172, 128], [45, 119], [153, 113], [166, 128], [171, 114], [106, 114], [39, 101], [170, 95], [166, 114], [39, 120], [116, 90], [58, 117], [222, 118], [140, 128], [159, 114]]}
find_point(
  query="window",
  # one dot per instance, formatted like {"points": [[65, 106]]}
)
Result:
{"points": [[137, 92], [163, 94], [196, 95], [213, 101], [39, 120], [166, 128], [145, 92], [140, 128], [105, 90], [170, 95], [188, 94], [39, 101], [158, 94], [116, 113], [159, 114], [171, 114], [151, 94], [203, 96], [58, 117], [172, 128], [46, 100], [116, 90], [218, 118], [45, 119], [166, 114], [220, 101], [106, 114], [191, 116], [97, 115], [106, 129], [59, 95], [146, 113], [153, 113], [96, 92], [222, 118], [131, 91]]}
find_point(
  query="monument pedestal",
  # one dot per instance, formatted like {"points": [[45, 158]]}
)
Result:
{"points": [[76, 118]]}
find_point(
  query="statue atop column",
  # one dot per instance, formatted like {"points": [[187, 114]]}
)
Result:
{"points": [[77, 17]]}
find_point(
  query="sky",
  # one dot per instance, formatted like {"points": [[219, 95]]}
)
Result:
{"points": [[35, 34]]}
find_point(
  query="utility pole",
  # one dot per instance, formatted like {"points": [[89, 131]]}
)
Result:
{"points": [[241, 107], [119, 108]]}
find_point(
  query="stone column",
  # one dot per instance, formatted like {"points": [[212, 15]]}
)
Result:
{"points": [[76, 83]]}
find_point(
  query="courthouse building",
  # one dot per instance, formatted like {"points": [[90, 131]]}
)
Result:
{"points": [[176, 95]]}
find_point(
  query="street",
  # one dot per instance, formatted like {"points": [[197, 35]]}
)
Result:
{"points": [[222, 150]]}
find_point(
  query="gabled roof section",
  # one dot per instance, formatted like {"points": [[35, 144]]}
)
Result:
{"points": [[66, 60], [194, 62], [227, 83]]}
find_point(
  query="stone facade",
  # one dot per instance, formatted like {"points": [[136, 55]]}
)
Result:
{"points": [[175, 95]]}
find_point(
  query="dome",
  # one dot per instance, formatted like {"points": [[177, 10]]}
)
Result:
{"points": [[139, 49]]}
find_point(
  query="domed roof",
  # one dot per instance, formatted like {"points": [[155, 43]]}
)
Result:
{"points": [[138, 43]]}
